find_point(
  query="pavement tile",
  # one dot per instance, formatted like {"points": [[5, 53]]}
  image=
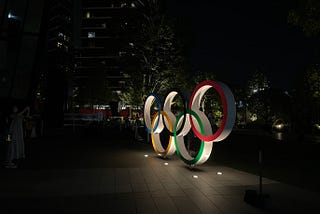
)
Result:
{"points": [[130, 183], [146, 205], [185, 205], [165, 205]]}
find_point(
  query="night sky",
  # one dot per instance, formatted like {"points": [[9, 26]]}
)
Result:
{"points": [[234, 38]]}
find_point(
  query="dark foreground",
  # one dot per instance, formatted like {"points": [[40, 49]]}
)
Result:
{"points": [[90, 172], [290, 161]]}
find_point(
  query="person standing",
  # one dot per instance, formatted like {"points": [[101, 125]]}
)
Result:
{"points": [[5, 141], [16, 130], [137, 125]]}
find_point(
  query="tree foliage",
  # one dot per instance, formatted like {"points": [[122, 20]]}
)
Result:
{"points": [[158, 52], [312, 82], [307, 100], [258, 99], [312, 93], [257, 82], [135, 93], [94, 91], [307, 16], [200, 76]]}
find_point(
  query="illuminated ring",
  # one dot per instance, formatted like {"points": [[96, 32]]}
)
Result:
{"points": [[205, 147], [155, 135], [229, 110], [147, 112], [167, 108], [190, 118]]}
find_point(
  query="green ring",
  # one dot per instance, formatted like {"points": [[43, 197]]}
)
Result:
{"points": [[197, 158]]}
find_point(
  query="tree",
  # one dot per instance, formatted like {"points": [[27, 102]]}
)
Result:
{"points": [[93, 91], [258, 96], [157, 49], [257, 82], [307, 16], [312, 94], [200, 76], [135, 92], [312, 81]]}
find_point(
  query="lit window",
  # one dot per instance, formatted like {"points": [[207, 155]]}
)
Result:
{"points": [[133, 5], [122, 53], [11, 15], [91, 34], [88, 15], [253, 117], [59, 45]]}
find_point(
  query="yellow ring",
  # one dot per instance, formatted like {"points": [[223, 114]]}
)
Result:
{"points": [[170, 127]]}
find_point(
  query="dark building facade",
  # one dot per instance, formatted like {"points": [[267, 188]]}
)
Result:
{"points": [[102, 61], [21, 23], [57, 79]]}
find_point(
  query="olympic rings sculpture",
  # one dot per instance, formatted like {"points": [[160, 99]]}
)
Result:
{"points": [[191, 118]]}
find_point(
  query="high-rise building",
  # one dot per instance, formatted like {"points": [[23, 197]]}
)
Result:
{"points": [[20, 44], [103, 62], [59, 76]]}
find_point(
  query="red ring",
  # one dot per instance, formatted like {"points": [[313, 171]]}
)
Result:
{"points": [[218, 88]]}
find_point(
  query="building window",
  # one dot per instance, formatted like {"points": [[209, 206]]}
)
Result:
{"points": [[88, 15], [91, 43], [122, 53], [59, 45], [11, 15], [91, 34]]}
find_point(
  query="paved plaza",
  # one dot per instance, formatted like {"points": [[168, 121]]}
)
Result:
{"points": [[130, 178]]}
